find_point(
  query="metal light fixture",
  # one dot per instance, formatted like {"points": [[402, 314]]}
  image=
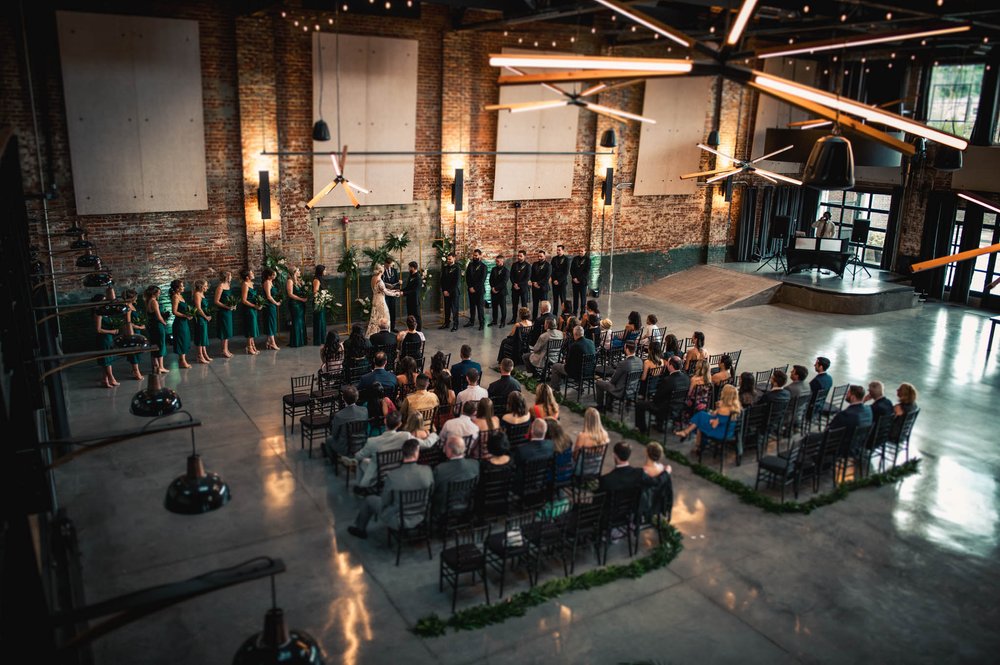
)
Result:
{"points": [[156, 400], [458, 190], [609, 139], [713, 140], [88, 260], [276, 644], [81, 243], [947, 159], [321, 131], [98, 279], [196, 491], [830, 165]]}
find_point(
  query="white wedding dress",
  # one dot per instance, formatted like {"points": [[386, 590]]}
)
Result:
{"points": [[380, 310]]}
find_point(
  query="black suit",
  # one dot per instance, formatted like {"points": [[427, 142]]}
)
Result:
{"points": [[391, 279], [541, 271], [475, 278], [579, 272], [412, 292], [667, 401], [503, 387], [450, 275], [385, 339], [498, 292], [623, 478], [519, 271], [560, 275]]}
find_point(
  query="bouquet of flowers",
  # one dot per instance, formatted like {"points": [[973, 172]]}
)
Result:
{"points": [[425, 276], [138, 318], [116, 323], [366, 307], [258, 299], [324, 300], [230, 301], [208, 310]]}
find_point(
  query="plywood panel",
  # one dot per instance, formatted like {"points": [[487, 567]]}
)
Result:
{"points": [[373, 70], [669, 148], [132, 87], [980, 171]]}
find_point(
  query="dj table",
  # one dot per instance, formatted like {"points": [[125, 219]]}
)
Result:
{"points": [[809, 253]]}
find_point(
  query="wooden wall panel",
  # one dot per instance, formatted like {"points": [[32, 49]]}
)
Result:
{"points": [[669, 148], [378, 86], [133, 97]]}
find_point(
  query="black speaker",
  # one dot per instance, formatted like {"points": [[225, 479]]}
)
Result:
{"points": [[609, 186], [780, 224], [458, 189], [859, 232], [264, 194]]}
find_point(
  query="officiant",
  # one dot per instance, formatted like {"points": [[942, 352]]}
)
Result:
{"points": [[391, 279]]}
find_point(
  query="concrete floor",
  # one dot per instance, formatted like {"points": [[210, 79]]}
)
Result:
{"points": [[898, 574]]}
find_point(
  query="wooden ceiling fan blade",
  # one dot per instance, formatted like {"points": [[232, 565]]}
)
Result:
{"points": [[321, 194], [593, 90], [698, 174], [765, 173], [712, 150], [580, 75], [354, 199], [723, 175], [623, 84], [615, 113], [772, 154], [540, 106], [812, 123], [343, 157]]}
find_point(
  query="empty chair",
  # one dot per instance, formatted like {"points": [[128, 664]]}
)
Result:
{"points": [[316, 422], [296, 403], [466, 556], [414, 520], [327, 386], [510, 545], [828, 410], [620, 515]]}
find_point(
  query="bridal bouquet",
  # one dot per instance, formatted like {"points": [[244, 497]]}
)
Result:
{"points": [[259, 300], [324, 300], [366, 307], [230, 301]]}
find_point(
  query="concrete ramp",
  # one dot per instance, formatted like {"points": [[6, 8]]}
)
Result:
{"points": [[710, 289]]}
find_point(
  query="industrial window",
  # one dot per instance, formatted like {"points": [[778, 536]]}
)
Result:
{"points": [[953, 98], [845, 207]]}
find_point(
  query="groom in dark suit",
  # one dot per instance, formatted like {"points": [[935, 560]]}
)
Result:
{"points": [[414, 284], [391, 279]]}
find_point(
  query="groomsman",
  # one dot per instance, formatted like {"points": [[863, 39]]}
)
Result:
{"points": [[579, 271], [450, 275], [475, 281], [519, 271], [498, 291], [560, 275], [390, 277], [540, 273], [414, 285]]}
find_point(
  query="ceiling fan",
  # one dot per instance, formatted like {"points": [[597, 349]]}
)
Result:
{"points": [[741, 166], [339, 179], [816, 123], [573, 99]]}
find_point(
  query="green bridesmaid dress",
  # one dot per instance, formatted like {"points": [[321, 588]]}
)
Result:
{"points": [[224, 318], [297, 310], [182, 330], [319, 325], [253, 330], [157, 335], [271, 315], [105, 342], [200, 328], [133, 329]]}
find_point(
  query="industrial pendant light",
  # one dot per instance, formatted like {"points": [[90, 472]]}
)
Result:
{"points": [[98, 279], [713, 139], [608, 139], [81, 243], [88, 260], [276, 644], [321, 130], [155, 400], [947, 159], [830, 165], [196, 491]]}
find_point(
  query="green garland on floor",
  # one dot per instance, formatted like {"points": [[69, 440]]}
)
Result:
{"points": [[481, 616], [746, 493]]}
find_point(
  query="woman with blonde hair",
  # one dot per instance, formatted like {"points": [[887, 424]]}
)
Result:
{"points": [[224, 312], [545, 403], [295, 289], [716, 423], [157, 327], [415, 426], [593, 433], [380, 310], [484, 416], [248, 298], [201, 320]]}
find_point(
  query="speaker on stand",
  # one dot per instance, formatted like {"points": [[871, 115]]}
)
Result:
{"points": [[859, 238], [777, 241]]}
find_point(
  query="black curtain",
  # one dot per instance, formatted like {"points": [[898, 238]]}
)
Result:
{"points": [[798, 203]]}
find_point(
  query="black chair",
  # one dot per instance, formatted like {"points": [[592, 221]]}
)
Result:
{"points": [[587, 472], [523, 344], [494, 495], [432, 455], [357, 437], [545, 535], [414, 507], [812, 419], [517, 434], [781, 469], [553, 352], [899, 437], [755, 420], [499, 406], [414, 349], [629, 395], [795, 417], [510, 545], [443, 413], [876, 443], [359, 368], [834, 441], [852, 453], [613, 353], [648, 387], [427, 415], [478, 448], [316, 423], [762, 379], [656, 505], [735, 357], [296, 403], [467, 555], [776, 419], [584, 380], [828, 410], [460, 500], [327, 386], [390, 355], [533, 488], [717, 444], [673, 411], [621, 514], [387, 460], [582, 527]]}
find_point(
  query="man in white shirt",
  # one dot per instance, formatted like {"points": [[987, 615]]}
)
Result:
{"points": [[474, 392], [463, 425], [535, 359]]}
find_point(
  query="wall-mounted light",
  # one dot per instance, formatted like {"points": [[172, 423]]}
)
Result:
{"points": [[264, 193], [608, 139], [458, 190], [609, 186]]}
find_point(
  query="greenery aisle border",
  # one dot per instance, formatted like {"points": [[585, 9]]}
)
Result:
{"points": [[481, 616], [746, 493]]}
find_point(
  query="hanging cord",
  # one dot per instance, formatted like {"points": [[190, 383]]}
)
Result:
{"points": [[336, 47]]}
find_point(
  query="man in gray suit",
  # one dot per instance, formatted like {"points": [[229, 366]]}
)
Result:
{"points": [[455, 469], [367, 457], [410, 476], [351, 412], [535, 359], [617, 385]]}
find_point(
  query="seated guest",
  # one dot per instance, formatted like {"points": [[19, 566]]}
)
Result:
{"points": [[356, 348], [747, 391], [776, 394], [671, 347], [441, 387], [510, 346], [724, 372], [367, 458], [565, 315], [624, 476], [696, 352], [714, 423], [484, 419], [618, 384], [880, 404], [855, 414], [417, 430], [653, 360], [633, 327], [665, 401], [499, 453], [605, 334], [420, 399], [332, 355], [699, 391], [458, 370], [411, 334], [535, 359], [567, 327], [474, 392], [455, 469], [907, 396], [517, 410], [592, 329], [461, 426], [378, 375], [822, 382], [593, 433], [409, 476], [546, 405], [350, 413], [649, 332], [407, 368], [506, 384], [662, 484], [383, 338], [438, 367], [537, 446], [580, 348], [798, 385], [562, 450], [540, 325], [593, 309]]}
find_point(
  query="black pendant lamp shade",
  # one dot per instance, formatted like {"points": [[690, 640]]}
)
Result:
{"points": [[88, 260], [947, 159], [36, 268], [713, 139], [130, 341], [830, 165], [608, 139], [155, 400], [81, 243], [196, 491], [276, 644], [321, 131], [111, 309], [98, 279]]}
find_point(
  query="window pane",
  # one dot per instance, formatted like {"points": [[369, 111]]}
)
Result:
{"points": [[954, 97]]}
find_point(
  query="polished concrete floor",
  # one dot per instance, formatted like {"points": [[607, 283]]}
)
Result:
{"points": [[904, 573]]}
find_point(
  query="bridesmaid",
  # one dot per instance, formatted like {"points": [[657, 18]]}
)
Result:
{"points": [[130, 296], [105, 342], [295, 291], [181, 327], [251, 309], [157, 327], [224, 311], [270, 308], [319, 314], [201, 320]]}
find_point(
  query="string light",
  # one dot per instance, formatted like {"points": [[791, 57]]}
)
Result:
{"points": [[986, 40], [284, 14], [888, 16], [843, 18], [572, 40], [330, 21], [536, 44], [913, 56], [593, 31], [296, 23], [505, 33], [656, 35], [388, 5], [890, 65], [825, 72], [553, 43], [805, 9], [520, 40], [711, 30], [633, 28], [940, 2]]}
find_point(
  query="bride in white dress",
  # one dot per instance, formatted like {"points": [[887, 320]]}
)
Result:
{"points": [[380, 310]]}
